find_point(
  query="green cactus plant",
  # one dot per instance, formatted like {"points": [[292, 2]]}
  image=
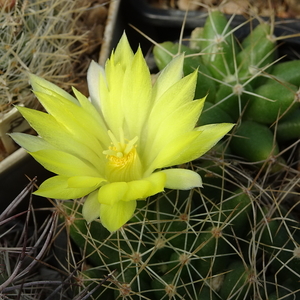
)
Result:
{"points": [[235, 238], [184, 246], [53, 39], [41, 37]]}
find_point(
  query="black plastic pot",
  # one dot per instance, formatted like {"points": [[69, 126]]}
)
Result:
{"points": [[174, 18]]}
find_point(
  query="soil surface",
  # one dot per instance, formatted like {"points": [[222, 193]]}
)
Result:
{"points": [[282, 8]]}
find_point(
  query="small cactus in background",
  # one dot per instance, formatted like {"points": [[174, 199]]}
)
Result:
{"points": [[53, 39], [36, 37], [47, 38]]}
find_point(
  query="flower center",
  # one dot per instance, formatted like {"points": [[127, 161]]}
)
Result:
{"points": [[118, 158], [123, 163]]}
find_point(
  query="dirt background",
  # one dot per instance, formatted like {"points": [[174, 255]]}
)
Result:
{"points": [[282, 8]]}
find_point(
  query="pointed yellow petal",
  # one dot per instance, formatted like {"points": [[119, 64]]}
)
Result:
{"points": [[29, 142], [177, 124], [115, 216], [158, 180], [113, 192], [123, 53], [85, 181], [210, 135], [173, 151], [41, 85], [136, 94], [74, 118], [177, 95], [141, 189], [111, 95], [111, 85], [138, 189], [91, 207], [93, 79], [172, 73], [57, 187], [95, 118], [182, 179], [173, 114], [59, 137], [64, 164], [184, 118]]}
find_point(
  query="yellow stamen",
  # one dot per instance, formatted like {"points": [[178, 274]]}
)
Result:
{"points": [[122, 159]]}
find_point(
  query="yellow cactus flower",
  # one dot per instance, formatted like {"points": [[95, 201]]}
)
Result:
{"points": [[117, 147]]}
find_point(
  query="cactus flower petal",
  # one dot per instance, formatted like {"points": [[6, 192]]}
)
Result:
{"points": [[58, 187], [113, 148], [91, 207], [41, 85], [182, 179], [116, 215]]}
